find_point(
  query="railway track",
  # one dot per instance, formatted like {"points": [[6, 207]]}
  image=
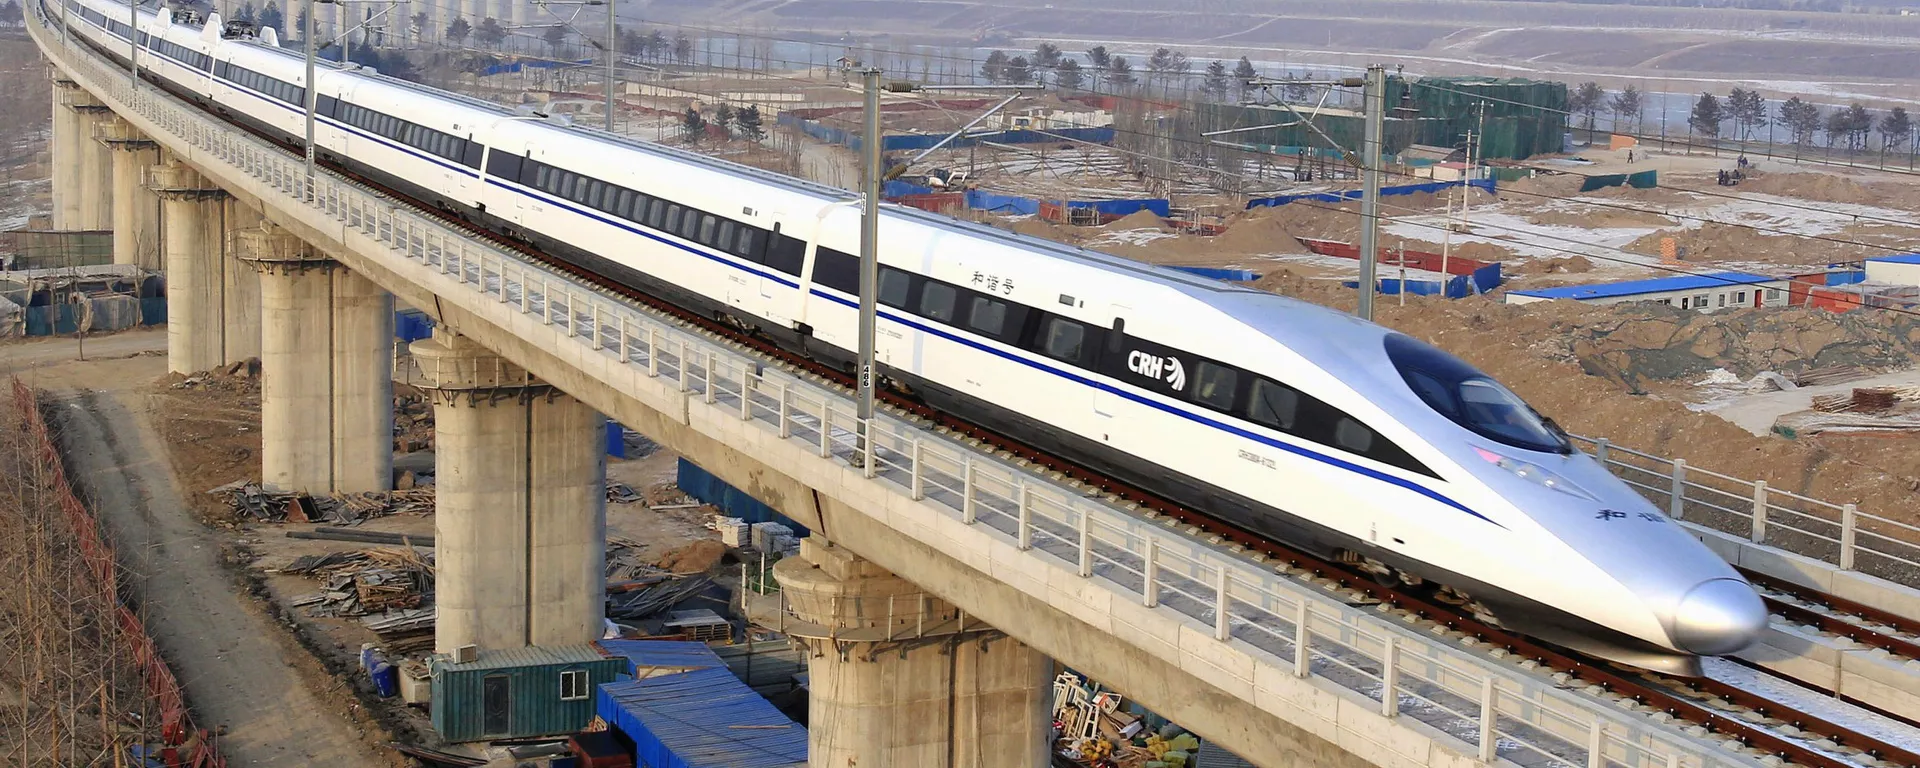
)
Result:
{"points": [[1758, 724], [1838, 616]]}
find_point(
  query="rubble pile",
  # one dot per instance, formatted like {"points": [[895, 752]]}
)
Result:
{"points": [[412, 420], [391, 589], [250, 501]]}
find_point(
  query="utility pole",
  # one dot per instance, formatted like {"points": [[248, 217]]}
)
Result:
{"points": [[1376, 116], [613, 45], [133, 43], [869, 258], [313, 96]]}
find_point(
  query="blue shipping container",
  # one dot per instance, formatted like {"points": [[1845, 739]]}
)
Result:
{"points": [[705, 718]]}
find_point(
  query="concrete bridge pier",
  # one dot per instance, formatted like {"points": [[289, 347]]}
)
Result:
{"points": [[65, 149], [240, 296], [136, 209], [520, 502], [93, 119], [191, 239], [326, 392], [901, 679]]}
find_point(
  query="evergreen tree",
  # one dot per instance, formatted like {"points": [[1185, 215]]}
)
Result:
{"points": [[1837, 127], [1586, 100], [271, 18], [1896, 128], [1019, 71], [693, 124], [683, 48], [657, 46], [1068, 76], [245, 14], [723, 117], [1216, 84], [1859, 124], [1099, 57], [1707, 115], [490, 33], [1800, 118], [1046, 56], [299, 25], [1296, 89], [419, 23], [554, 36], [11, 14], [1119, 72], [748, 120], [1626, 106], [995, 67], [1243, 72], [458, 29]]}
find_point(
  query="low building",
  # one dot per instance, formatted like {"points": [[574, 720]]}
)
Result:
{"points": [[519, 693], [1894, 270], [1705, 292]]}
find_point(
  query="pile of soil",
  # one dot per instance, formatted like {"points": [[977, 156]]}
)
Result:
{"points": [[1715, 242], [697, 557], [1039, 227], [1142, 219], [1819, 186]]}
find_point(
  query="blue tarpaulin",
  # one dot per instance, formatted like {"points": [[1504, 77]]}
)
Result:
{"points": [[1482, 280], [1159, 206], [1219, 273], [412, 325], [702, 485], [516, 66], [704, 718], [901, 143], [1354, 194]]}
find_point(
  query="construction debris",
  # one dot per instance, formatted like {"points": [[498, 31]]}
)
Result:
{"points": [[621, 493], [250, 500], [365, 537], [644, 600], [437, 757], [1875, 399], [368, 581], [1091, 728]]}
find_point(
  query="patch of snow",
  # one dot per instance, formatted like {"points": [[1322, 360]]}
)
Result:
{"points": [[1141, 236], [1814, 703]]}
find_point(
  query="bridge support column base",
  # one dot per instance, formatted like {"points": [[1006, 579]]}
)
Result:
{"points": [[900, 679], [192, 248], [95, 210], [520, 511], [326, 395]]}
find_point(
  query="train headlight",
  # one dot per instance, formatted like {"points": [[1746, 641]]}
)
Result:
{"points": [[1534, 473]]}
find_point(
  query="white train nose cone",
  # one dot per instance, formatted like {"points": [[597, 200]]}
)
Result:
{"points": [[1718, 617]]}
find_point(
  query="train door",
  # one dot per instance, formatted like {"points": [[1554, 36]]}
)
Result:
{"points": [[1106, 404], [525, 205], [777, 302]]}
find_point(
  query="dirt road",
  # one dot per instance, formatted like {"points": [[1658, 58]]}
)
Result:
{"points": [[237, 672], [16, 357]]}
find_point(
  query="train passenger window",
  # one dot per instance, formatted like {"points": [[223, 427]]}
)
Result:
{"points": [[671, 224], [894, 287], [623, 207], [837, 270], [787, 254], [690, 224], [657, 214], [541, 173], [1274, 405], [1214, 385], [747, 243], [1352, 436], [596, 194], [719, 235], [506, 165], [937, 301], [988, 316], [1064, 339]]}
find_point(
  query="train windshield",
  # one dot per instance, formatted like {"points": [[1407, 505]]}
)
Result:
{"points": [[1471, 398]]}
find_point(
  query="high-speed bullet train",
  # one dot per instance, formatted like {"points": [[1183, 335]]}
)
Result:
{"points": [[1282, 418]]}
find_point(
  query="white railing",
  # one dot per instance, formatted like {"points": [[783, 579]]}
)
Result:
{"points": [[1491, 709], [1839, 534]]}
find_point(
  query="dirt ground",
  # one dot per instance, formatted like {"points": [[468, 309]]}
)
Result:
{"points": [[241, 675]]}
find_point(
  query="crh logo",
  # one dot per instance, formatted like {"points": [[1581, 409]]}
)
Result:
{"points": [[1168, 369]]}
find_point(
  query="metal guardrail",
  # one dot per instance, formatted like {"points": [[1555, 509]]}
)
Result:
{"points": [[1839, 534], [1488, 708]]}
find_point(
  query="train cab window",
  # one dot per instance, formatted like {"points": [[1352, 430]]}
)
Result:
{"points": [[937, 301], [787, 254], [1063, 339], [895, 287], [1274, 405], [1214, 385], [1470, 398]]}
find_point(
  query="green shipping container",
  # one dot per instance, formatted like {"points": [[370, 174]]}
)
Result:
{"points": [[519, 693]]}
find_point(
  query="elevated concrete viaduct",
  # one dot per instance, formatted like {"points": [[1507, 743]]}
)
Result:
{"points": [[1004, 568]]}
